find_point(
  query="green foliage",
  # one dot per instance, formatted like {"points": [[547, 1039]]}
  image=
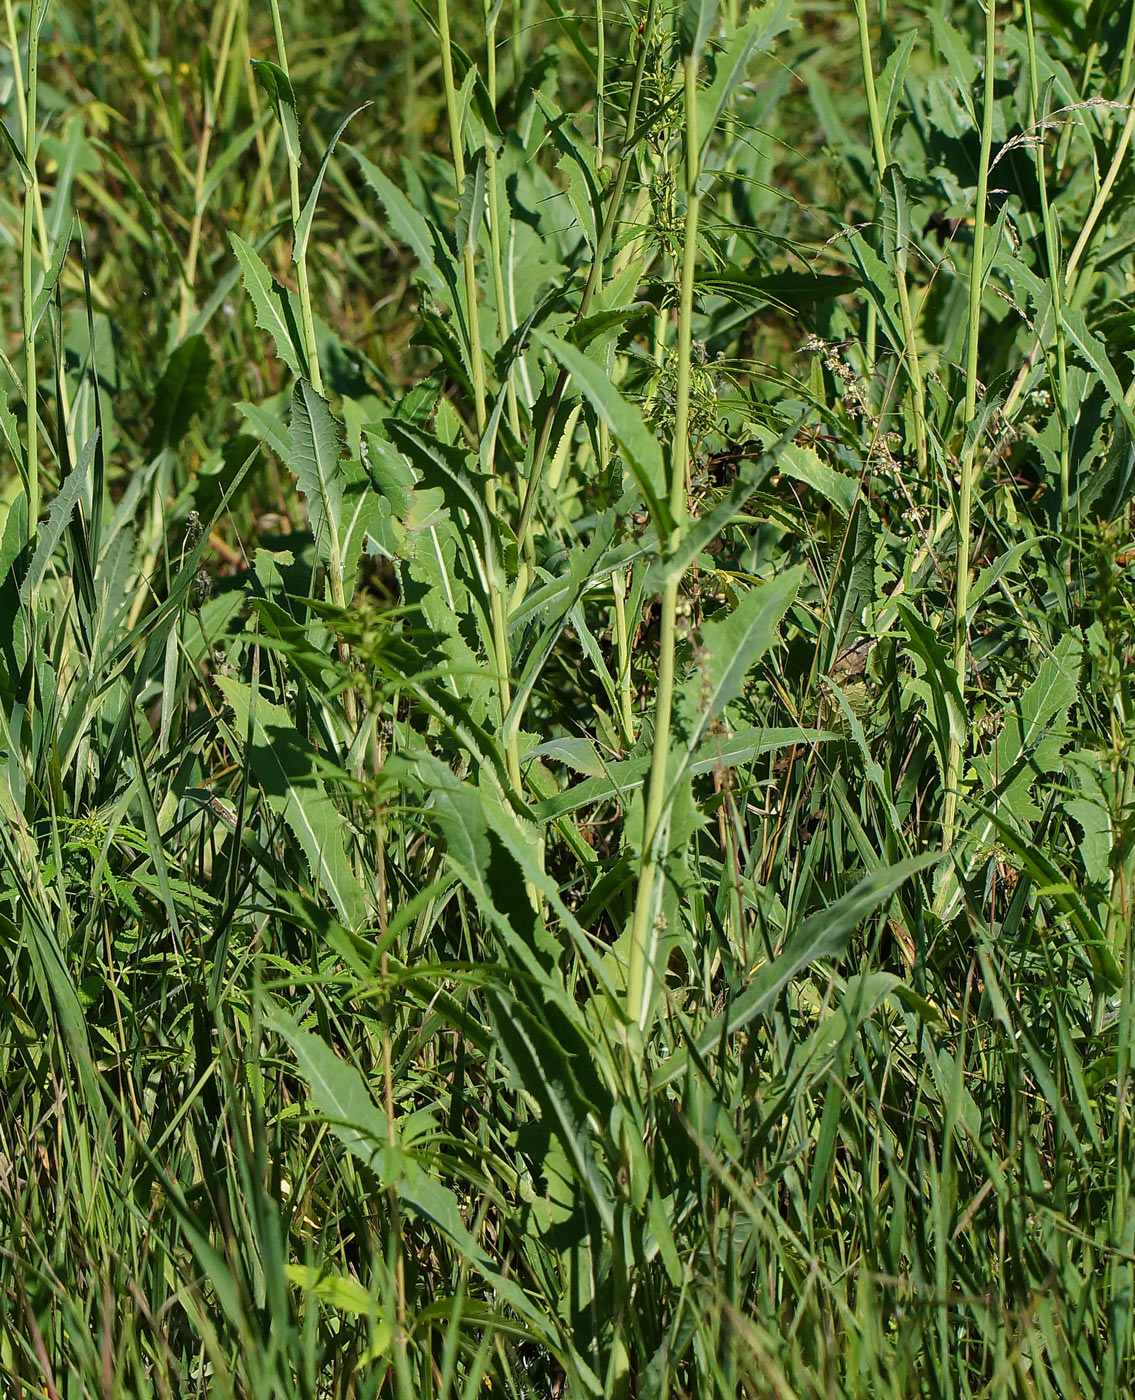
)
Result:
{"points": [[567, 815]]}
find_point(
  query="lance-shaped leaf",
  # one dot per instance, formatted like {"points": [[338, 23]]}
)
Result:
{"points": [[639, 445], [315, 464], [730, 647], [58, 518], [696, 23], [278, 86], [181, 394], [303, 226], [275, 312], [755, 35]]}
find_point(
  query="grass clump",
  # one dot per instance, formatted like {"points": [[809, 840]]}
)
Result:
{"points": [[565, 713]]}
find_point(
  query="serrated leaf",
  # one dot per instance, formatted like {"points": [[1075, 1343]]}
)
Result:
{"points": [[1096, 355], [275, 312], [315, 464], [410, 228], [890, 84], [58, 518]]}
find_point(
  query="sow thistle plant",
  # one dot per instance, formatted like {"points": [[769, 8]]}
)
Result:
{"points": [[565, 776]]}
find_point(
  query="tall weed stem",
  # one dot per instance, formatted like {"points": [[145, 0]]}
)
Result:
{"points": [[299, 252], [502, 659], [882, 161], [968, 481], [641, 972], [31, 482], [603, 244]]}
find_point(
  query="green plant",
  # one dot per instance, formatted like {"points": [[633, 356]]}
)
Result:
{"points": [[565, 736]]}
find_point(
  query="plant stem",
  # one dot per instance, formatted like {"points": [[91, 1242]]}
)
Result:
{"points": [[641, 971], [299, 254], [1101, 198], [495, 223], [1055, 282], [969, 455], [212, 102], [502, 659], [623, 650], [31, 483], [603, 242], [879, 149]]}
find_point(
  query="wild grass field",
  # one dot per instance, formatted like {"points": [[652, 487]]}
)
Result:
{"points": [[567, 805]]}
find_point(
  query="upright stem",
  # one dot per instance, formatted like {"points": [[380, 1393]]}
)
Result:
{"points": [[30, 377], [502, 659], [1094, 213], [600, 79], [968, 472], [641, 971], [879, 149], [1055, 282], [299, 254], [212, 102], [623, 651], [457, 148], [495, 223], [606, 231]]}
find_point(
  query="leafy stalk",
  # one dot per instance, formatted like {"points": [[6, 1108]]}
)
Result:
{"points": [[495, 584], [641, 969], [212, 99], [594, 276], [299, 250], [27, 248], [882, 161], [969, 457]]}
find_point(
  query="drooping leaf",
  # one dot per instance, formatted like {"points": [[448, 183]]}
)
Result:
{"points": [[278, 86]]}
